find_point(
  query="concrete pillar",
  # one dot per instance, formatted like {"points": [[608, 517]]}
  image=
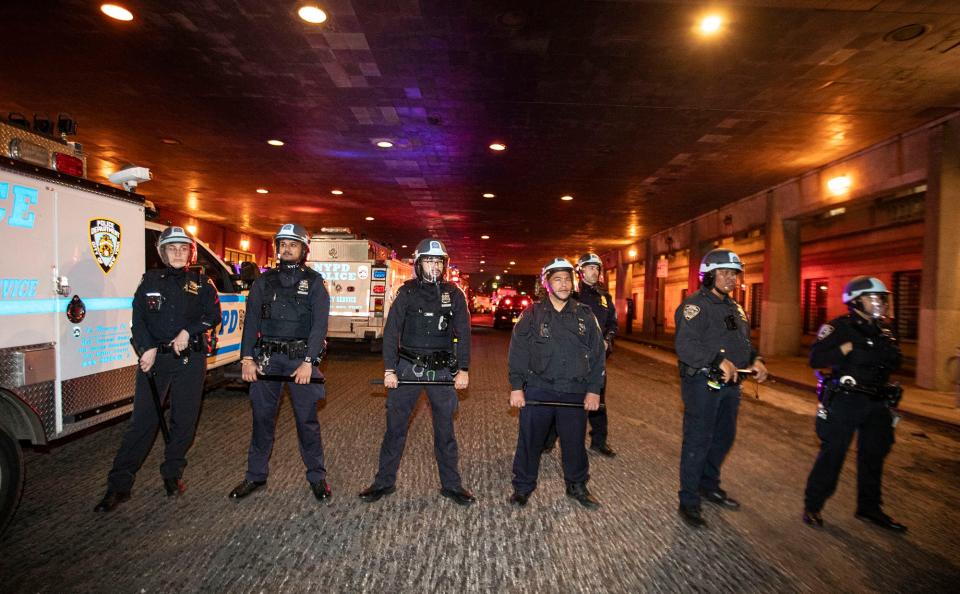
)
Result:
{"points": [[780, 319], [939, 331], [695, 254], [651, 292]]}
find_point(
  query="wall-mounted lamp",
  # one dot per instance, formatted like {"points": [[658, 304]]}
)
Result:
{"points": [[244, 244], [839, 185]]}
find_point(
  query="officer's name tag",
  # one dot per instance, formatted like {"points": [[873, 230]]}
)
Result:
{"points": [[690, 311], [192, 287], [304, 287]]}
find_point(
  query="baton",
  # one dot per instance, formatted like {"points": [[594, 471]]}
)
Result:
{"points": [[747, 371], [274, 377], [558, 404], [416, 383], [152, 381]]}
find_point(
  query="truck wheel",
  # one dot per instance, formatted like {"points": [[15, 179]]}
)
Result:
{"points": [[11, 477]]}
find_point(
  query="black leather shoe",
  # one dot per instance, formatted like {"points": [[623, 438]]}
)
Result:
{"points": [[174, 487], [460, 496], [518, 499], [603, 449], [321, 490], [881, 519], [373, 493], [579, 492], [812, 518], [692, 516], [245, 488], [111, 500], [719, 497]]}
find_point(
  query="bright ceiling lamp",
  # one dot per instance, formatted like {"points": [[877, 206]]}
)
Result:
{"points": [[115, 11], [312, 14]]}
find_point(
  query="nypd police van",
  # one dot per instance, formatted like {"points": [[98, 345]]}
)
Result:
{"points": [[72, 253]]}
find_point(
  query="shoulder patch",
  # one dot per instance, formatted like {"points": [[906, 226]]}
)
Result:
{"points": [[824, 331], [690, 311]]}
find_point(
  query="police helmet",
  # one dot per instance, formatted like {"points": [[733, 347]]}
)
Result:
{"points": [[863, 285], [172, 235], [589, 258], [294, 232], [717, 259], [429, 247]]}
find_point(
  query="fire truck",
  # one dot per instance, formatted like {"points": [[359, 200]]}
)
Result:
{"points": [[362, 277], [72, 253]]}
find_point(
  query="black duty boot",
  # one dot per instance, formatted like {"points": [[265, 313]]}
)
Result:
{"points": [[692, 516], [321, 490], [603, 449], [518, 499], [459, 496], [245, 488], [579, 492], [111, 500], [174, 487], [374, 493], [881, 519], [719, 497], [812, 518]]}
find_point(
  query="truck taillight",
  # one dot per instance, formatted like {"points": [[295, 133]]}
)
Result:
{"points": [[524, 303], [22, 150], [378, 304], [507, 301], [379, 289], [68, 164]]}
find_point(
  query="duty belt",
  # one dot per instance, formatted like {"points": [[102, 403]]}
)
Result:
{"points": [[295, 349], [431, 361], [196, 345]]}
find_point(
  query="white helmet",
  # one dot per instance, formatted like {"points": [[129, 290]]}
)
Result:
{"points": [[430, 247], [555, 265], [863, 285], [589, 258], [720, 258], [294, 232]]}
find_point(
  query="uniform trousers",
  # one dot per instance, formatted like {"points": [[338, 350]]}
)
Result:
{"points": [[182, 378], [400, 404], [535, 422], [873, 423], [709, 429], [265, 399]]}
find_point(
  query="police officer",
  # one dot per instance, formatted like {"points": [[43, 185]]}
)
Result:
{"points": [[284, 333], [173, 308], [712, 343], [601, 303], [556, 355], [426, 338], [860, 352]]}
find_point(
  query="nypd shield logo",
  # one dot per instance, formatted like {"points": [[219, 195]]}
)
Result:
{"points": [[690, 312], [105, 243], [825, 331]]}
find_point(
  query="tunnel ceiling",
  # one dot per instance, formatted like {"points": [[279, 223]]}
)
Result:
{"points": [[620, 104]]}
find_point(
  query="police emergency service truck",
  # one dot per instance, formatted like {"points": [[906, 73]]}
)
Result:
{"points": [[362, 277], [72, 253]]}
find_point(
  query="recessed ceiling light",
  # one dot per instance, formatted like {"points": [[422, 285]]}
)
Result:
{"points": [[369, 218], [481, 270], [192, 229], [505, 271], [337, 192], [483, 261], [275, 142], [711, 24], [484, 237], [312, 14], [169, 141], [384, 144], [566, 198], [498, 146], [839, 185], [263, 191], [512, 263], [488, 195], [403, 246], [117, 12]]}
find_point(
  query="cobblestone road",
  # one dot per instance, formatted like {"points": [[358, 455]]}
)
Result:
{"points": [[281, 540]]}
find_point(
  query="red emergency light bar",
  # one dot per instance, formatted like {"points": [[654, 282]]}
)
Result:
{"points": [[68, 164]]}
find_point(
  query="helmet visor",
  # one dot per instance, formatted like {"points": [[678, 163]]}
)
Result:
{"points": [[875, 305]]}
